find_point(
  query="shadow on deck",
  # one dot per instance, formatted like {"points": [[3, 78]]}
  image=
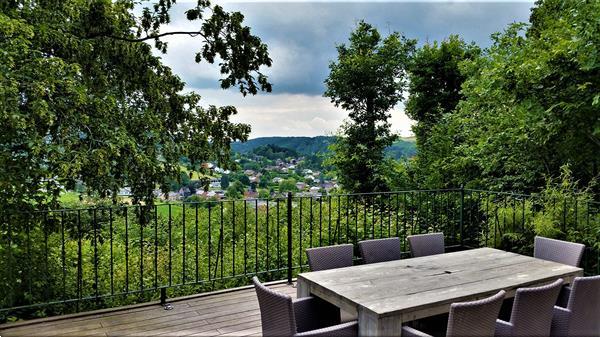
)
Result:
{"points": [[227, 313]]}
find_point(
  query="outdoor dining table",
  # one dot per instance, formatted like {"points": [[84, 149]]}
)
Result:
{"points": [[385, 295]]}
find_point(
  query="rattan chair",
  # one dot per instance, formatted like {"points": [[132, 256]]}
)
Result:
{"points": [[476, 318], [309, 316], [380, 250], [330, 257], [426, 244], [532, 311], [562, 252], [581, 317], [558, 251]]}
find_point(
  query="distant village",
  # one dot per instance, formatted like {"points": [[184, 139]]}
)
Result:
{"points": [[273, 180]]}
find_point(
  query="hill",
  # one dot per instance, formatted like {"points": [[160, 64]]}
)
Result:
{"points": [[312, 145]]}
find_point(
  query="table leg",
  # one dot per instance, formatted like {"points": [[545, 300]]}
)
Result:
{"points": [[370, 324], [302, 289]]}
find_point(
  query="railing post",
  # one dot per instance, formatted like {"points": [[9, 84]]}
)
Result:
{"points": [[462, 211], [289, 237]]}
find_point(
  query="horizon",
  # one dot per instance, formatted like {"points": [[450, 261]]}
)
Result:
{"points": [[301, 38]]}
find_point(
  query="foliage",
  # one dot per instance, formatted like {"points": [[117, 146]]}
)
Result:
{"points": [[273, 152], [83, 98], [288, 185], [531, 105], [367, 80], [434, 91]]}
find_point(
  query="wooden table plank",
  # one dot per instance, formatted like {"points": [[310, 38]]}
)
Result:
{"points": [[384, 295]]}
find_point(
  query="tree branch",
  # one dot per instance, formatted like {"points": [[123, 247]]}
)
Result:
{"points": [[148, 37]]}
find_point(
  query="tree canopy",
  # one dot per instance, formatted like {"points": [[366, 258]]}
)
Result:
{"points": [[531, 105], [368, 80], [83, 98]]}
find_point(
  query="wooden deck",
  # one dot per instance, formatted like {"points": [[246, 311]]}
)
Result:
{"points": [[233, 313]]}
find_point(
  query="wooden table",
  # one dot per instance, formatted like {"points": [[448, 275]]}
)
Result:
{"points": [[384, 295]]}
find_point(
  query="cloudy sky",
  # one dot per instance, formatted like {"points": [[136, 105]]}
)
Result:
{"points": [[302, 36]]}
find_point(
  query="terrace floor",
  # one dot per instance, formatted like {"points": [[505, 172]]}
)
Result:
{"points": [[225, 313]]}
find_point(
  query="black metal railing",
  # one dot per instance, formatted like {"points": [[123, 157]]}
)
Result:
{"points": [[71, 260]]}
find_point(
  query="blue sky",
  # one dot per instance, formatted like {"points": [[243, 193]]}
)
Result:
{"points": [[302, 36]]}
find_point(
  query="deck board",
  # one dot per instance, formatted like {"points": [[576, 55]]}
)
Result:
{"points": [[233, 313]]}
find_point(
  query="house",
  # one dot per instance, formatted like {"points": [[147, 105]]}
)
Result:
{"points": [[249, 172], [249, 194], [277, 180], [300, 185], [174, 196], [314, 190], [215, 183]]}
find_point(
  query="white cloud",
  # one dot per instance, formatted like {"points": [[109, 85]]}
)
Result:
{"points": [[290, 114]]}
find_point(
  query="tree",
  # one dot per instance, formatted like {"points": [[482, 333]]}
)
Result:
{"points": [[224, 181], [368, 80], [530, 105], [235, 190], [434, 91], [288, 185], [83, 98]]}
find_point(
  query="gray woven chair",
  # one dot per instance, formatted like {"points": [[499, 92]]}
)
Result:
{"points": [[475, 318], [426, 244], [531, 312], [581, 317], [380, 250], [330, 257], [562, 252], [308, 316], [558, 251]]}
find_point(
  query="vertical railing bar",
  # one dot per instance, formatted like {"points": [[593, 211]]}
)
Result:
{"points": [[183, 235], [126, 249], [233, 237], [338, 222], [155, 247], [278, 235], [389, 209], [46, 271], [64, 257], [79, 258], [300, 234], [310, 230], [355, 219], [329, 216], [28, 271], [321, 221], [289, 238], [221, 247], [209, 240], [143, 217], [373, 220], [397, 211], [256, 236], [170, 229], [245, 237], [404, 234], [365, 218], [267, 239], [95, 231], [347, 219], [197, 257]]}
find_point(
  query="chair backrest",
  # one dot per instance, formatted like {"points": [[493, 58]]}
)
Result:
{"points": [[476, 318], [380, 250], [276, 311], [584, 304], [426, 244], [558, 251], [330, 257], [532, 309]]}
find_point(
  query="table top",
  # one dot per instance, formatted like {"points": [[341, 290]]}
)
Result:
{"points": [[418, 284]]}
